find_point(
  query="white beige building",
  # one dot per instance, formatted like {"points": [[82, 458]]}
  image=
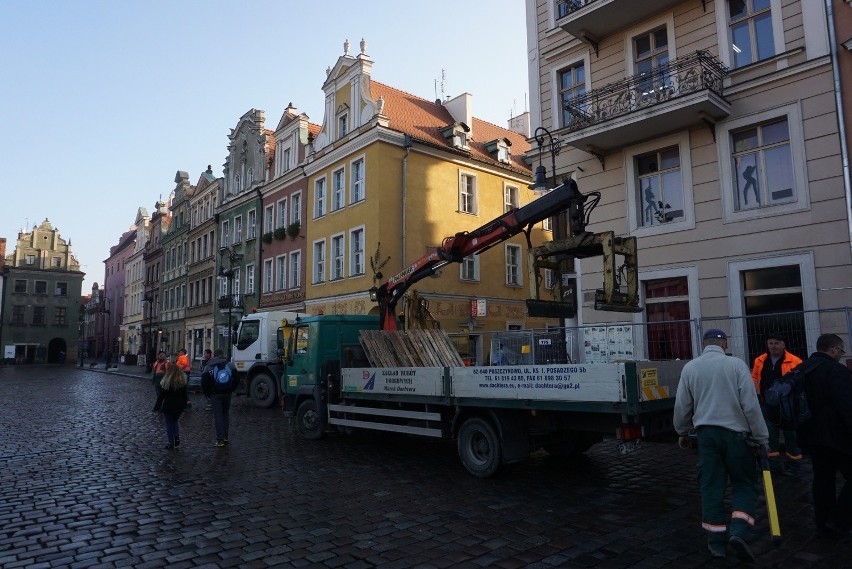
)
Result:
{"points": [[710, 129]]}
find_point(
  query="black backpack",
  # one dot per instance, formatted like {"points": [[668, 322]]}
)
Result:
{"points": [[786, 402]]}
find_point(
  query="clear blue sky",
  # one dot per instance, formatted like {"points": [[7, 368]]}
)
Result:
{"points": [[101, 102]]}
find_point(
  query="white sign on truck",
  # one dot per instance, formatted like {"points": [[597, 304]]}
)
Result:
{"points": [[557, 382], [399, 381]]}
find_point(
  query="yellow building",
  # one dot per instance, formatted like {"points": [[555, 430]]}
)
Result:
{"points": [[390, 175]]}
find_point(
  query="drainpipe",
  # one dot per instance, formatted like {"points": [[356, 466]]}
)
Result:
{"points": [[841, 119], [407, 144]]}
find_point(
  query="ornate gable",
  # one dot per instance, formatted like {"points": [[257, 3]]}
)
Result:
{"points": [[248, 148]]}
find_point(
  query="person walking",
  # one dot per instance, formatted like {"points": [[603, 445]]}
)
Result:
{"points": [[171, 401], [218, 381], [158, 371], [716, 399], [767, 369], [208, 355], [827, 436], [182, 362]]}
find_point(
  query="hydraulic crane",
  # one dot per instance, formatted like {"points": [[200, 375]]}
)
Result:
{"points": [[580, 244]]}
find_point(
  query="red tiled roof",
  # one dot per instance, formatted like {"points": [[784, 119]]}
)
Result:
{"points": [[423, 120]]}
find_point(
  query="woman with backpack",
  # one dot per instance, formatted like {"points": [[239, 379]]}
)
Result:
{"points": [[218, 380]]}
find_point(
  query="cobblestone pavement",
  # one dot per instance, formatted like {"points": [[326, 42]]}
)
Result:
{"points": [[85, 482]]}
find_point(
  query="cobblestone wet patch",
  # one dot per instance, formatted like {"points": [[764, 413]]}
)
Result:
{"points": [[85, 482]]}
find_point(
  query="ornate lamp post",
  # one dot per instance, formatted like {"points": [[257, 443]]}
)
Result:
{"points": [[227, 301], [146, 333]]}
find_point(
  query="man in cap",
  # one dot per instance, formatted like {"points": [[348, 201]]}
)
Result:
{"points": [[767, 369], [716, 399]]}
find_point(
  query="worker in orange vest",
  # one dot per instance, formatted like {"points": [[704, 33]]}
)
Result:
{"points": [[183, 364]]}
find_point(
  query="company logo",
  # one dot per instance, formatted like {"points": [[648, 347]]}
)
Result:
{"points": [[371, 380]]}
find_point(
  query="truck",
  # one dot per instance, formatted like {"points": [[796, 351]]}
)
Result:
{"points": [[258, 353], [497, 415]]}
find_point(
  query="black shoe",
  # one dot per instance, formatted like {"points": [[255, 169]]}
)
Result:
{"points": [[170, 446], [226, 441], [219, 444], [716, 549], [742, 549], [177, 441]]}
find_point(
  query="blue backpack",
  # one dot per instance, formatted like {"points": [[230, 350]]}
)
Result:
{"points": [[222, 377]]}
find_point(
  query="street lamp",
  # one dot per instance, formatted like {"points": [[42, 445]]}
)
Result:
{"points": [[540, 183], [146, 334], [227, 301]]}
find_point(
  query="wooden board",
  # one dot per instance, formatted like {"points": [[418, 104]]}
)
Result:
{"points": [[414, 348]]}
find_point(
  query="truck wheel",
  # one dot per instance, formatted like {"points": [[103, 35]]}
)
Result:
{"points": [[479, 448], [262, 390], [308, 420]]}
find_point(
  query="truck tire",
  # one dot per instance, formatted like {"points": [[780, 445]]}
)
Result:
{"points": [[308, 420], [262, 390], [479, 448]]}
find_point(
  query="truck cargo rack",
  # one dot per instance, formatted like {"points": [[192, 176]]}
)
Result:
{"points": [[398, 413]]}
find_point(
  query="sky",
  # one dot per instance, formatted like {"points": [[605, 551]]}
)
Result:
{"points": [[102, 102]]}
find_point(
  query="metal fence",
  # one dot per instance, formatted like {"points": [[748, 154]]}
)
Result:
{"points": [[655, 341]]}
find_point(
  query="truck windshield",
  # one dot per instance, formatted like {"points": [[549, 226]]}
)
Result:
{"points": [[248, 333], [300, 338]]}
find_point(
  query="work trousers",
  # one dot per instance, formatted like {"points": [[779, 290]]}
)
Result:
{"points": [[829, 506], [724, 455], [790, 445], [221, 403]]}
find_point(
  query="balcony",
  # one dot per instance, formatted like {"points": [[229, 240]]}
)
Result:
{"points": [[593, 20], [684, 92], [234, 302]]}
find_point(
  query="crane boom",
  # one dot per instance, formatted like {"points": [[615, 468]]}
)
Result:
{"points": [[455, 248]]}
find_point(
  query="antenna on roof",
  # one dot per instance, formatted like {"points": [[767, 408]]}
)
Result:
{"points": [[443, 77]]}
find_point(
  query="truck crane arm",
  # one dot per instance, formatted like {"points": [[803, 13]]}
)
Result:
{"points": [[455, 248]]}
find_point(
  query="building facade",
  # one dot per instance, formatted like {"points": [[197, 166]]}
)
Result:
{"points": [[710, 130], [41, 314], [175, 260], [115, 280]]}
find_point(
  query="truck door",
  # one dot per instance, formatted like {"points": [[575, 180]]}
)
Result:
{"points": [[301, 376], [248, 348]]}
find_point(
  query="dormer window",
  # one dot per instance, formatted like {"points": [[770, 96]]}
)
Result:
{"points": [[458, 134], [342, 120], [499, 150]]}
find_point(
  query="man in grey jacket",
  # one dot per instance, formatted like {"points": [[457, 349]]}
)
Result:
{"points": [[716, 399]]}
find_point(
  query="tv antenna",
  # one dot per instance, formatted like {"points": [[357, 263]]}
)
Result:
{"points": [[441, 84]]}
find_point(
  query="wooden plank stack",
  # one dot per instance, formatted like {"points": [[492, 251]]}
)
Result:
{"points": [[414, 348]]}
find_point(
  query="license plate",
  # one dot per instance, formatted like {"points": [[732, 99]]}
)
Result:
{"points": [[628, 447]]}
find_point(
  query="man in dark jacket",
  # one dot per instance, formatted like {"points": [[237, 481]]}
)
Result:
{"points": [[219, 393], [827, 436]]}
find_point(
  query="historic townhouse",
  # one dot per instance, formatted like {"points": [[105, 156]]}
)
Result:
{"points": [[282, 274], [250, 151], [391, 175], [115, 281], [710, 129], [152, 288], [173, 279], [138, 312], [41, 298], [203, 251]]}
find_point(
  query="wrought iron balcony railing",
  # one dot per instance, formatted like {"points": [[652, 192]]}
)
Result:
{"points": [[230, 301], [570, 6], [698, 71]]}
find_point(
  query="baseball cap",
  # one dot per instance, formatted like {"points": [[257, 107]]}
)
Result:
{"points": [[776, 336], [715, 333]]}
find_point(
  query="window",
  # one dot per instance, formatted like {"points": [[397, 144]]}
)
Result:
{"points": [[285, 160], [319, 198], [281, 283], [249, 279], [467, 193], [20, 286], [342, 125], [763, 165], [295, 269], [667, 315], [59, 316], [238, 229], [31, 259], [513, 265], [226, 233], [38, 316], [268, 218], [338, 189], [61, 289], [572, 85], [356, 193], [547, 224], [659, 186], [750, 22], [236, 184], [40, 287], [268, 276], [296, 208], [237, 283], [469, 269], [19, 315], [319, 262], [251, 230], [510, 198], [356, 252], [651, 52], [282, 213], [337, 256], [56, 262]]}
